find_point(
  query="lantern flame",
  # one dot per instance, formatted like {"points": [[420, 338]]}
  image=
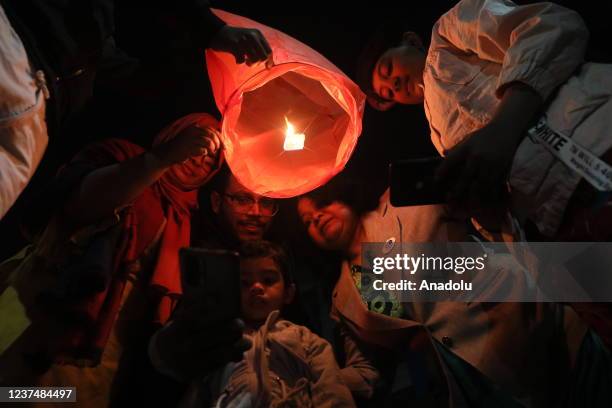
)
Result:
{"points": [[293, 141]]}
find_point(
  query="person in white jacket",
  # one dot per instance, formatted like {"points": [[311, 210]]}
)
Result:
{"points": [[492, 70]]}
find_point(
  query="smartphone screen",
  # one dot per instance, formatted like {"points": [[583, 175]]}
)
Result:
{"points": [[211, 279], [411, 182]]}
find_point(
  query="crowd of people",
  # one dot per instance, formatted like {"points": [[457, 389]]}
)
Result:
{"points": [[95, 300]]}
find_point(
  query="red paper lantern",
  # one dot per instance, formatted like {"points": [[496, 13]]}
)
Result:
{"points": [[289, 127]]}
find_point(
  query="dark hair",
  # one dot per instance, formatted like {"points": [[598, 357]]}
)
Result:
{"points": [[220, 181], [267, 249], [384, 38], [377, 45], [349, 189]]}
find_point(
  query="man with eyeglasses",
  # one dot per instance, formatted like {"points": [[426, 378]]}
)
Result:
{"points": [[241, 214], [238, 216]]}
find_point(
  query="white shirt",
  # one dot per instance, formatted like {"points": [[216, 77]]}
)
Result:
{"points": [[481, 46]]}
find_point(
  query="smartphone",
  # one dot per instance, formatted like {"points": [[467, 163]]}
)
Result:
{"points": [[211, 279], [412, 182]]}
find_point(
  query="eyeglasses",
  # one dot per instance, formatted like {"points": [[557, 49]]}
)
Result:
{"points": [[244, 204]]}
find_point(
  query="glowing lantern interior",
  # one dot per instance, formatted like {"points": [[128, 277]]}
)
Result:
{"points": [[287, 129]]}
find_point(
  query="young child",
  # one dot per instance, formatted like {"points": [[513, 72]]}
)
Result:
{"points": [[287, 364]]}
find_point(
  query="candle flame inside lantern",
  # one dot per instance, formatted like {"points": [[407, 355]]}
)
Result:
{"points": [[293, 141]]}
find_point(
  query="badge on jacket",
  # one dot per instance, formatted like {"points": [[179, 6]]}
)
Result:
{"points": [[389, 244]]}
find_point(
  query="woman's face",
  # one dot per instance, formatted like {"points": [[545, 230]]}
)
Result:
{"points": [[193, 172], [331, 227], [398, 75]]}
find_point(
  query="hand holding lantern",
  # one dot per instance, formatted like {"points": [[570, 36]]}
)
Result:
{"points": [[268, 109], [245, 44], [191, 142]]}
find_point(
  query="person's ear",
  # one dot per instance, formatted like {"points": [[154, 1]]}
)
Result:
{"points": [[379, 103], [215, 202], [412, 39], [289, 293]]}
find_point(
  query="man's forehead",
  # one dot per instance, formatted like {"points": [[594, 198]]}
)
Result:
{"points": [[234, 186]]}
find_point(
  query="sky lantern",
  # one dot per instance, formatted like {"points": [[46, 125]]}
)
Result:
{"points": [[289, 125]]}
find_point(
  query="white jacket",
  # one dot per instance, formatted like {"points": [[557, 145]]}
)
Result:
{"points": [[479, 47]]}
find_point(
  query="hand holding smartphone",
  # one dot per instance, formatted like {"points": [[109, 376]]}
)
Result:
{"points": [[205, 332], [412, 182], [211, 283]]}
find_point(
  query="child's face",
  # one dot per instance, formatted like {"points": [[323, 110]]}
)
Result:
{"points": [[262, 288], [398, 73]]}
